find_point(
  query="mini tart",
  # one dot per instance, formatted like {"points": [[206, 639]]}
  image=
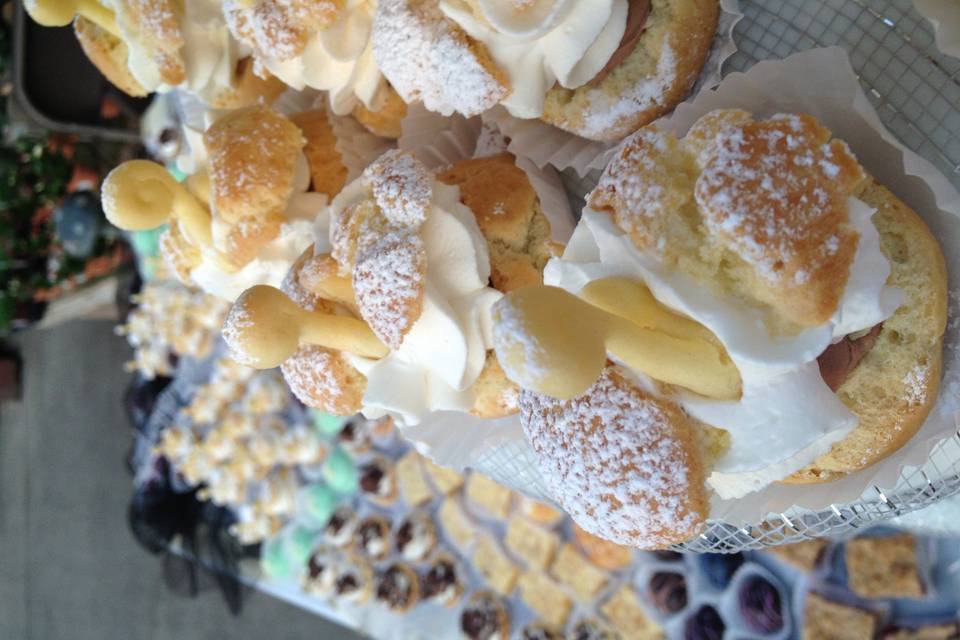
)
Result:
{"points": [[372, 537], [340, 527], [653, 78], [320, 574], [378, 482], [416, 537], [109, 54], [398, 587], [442, 581], [355, 435], [611, 458], [354, 580], [485, 617]]}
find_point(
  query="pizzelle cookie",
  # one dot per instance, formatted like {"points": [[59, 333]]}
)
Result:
{"points": [[600, 69], [742, 224]]}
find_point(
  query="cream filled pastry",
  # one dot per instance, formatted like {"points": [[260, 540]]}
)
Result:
{"points": [[757, 244], [157, 45], [323, 45], [597, 68], [246, 213], [393, 301]]}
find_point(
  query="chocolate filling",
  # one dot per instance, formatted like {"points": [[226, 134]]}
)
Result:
{"points": [[394, 587], [438, 579], [588, 630], [347, 583], [316, 567], [336, 523], [841, 358], [369, 533], [480, 620], [636, 23], [404, 535], [370, 478]]}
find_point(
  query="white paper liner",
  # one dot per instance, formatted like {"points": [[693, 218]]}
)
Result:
{"points": [[440, 141], [833, 95], [545, 144], [358, 147], [944, 15]]}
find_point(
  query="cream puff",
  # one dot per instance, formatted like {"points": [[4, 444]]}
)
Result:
{"points": [[742, 306], [392, 303], [246, 213], [598, 69]]}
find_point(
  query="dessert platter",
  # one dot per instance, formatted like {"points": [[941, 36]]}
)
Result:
{"points": [[729, 326]]}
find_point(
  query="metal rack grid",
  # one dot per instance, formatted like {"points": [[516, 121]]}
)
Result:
{"points": [[916, 92]]}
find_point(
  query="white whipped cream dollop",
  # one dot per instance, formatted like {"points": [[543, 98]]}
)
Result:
{"points": [[444, 351], [338, 59], [787, 415], [543, 42], [276, 257], [210, 55]]}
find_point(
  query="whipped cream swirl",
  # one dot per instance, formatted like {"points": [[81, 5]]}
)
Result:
{"points": [[787, 415], [542, 42], [444, 351]]}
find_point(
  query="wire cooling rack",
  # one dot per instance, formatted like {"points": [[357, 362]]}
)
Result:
{"points": [[916, 92]]}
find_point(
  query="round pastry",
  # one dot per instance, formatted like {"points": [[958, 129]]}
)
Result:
{"points": [[355, 435], [442, 583], [485, 617], [321, 45], [403, 262], [600, 69], [373, 537], [604, 554], [354, 581], [246, 213], [340, 527], [398, 587], [321, 573], [415, 537], [378, 481], [741, 224], [142, 47]]}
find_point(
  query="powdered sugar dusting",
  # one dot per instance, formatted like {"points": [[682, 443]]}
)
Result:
{"points": [[510, 336], [402, 187], [310, 374], [612, 461], [238, 321], [277, 28], [916, 382], [388, 280], [427, 58]]}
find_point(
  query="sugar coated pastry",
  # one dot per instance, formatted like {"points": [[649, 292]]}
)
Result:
{"points": [[142, 46], [600, 69], [246, 214], [323, 45], [390, 314], [686, 247]]}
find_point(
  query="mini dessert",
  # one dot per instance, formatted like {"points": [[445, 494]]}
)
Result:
{"points": [[340, 472], [404, 261], [600, 70], [340, 527], [761, 605], [668, 591], [485, 617], [827, 620], [532, 544], [545, 598], [705, 624], [321, 45], [413, 486], [804, 555], [398, 587], [321, 573], [354, 580], [415, 537], [539, 512], [624, 611], [441, 583], [492, 498], [456, 525], [445, 479], [318, 502], [142, 47], [884, 567], [815, 252], [355, 435], [604, 554], [592, 630], [378, 481], [581, 577], [372, 537], [498, 571], [539, 631], [244, 217], [718, 568]]}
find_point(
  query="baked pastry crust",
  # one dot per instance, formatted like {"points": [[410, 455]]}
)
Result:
{"points": [[109, 54]]}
